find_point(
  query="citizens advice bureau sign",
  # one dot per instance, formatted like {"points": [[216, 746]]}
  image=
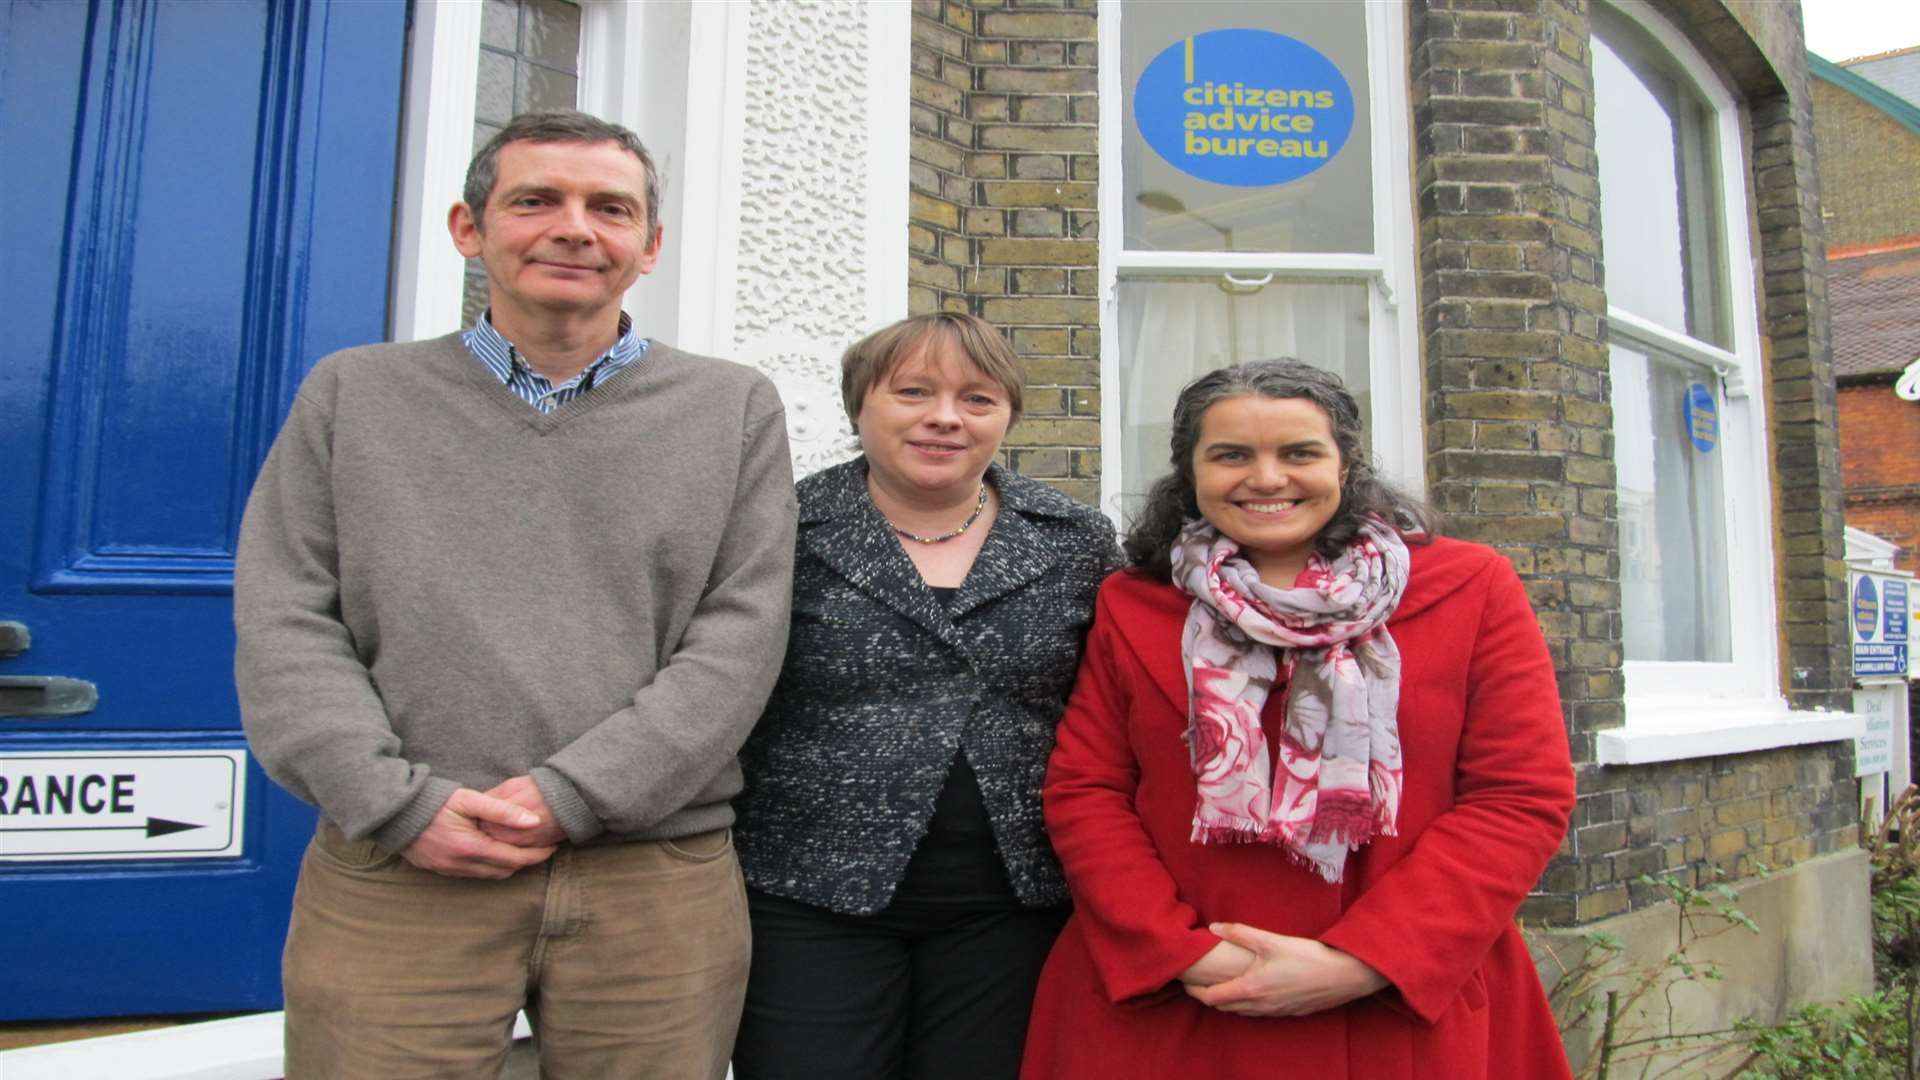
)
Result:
{"points": [[1249, 108]]}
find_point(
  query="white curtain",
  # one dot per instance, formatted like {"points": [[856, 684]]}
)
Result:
{"points": [[1175, 329], [1673, 543]]}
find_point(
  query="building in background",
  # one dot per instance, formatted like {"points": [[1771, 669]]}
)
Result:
{"points": [[1869, 138], [1867, 121], [1569, 254]]}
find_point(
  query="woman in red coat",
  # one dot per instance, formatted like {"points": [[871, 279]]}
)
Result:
{"points": [[1308, 774]]}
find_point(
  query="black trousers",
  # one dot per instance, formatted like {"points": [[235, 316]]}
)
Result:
{"points": [[916, 992]]}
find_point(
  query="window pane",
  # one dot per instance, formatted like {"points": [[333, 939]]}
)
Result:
{"points": [[1659, 186], [493, 94], [552, 34], [1174, 329], [1673, 543], [544, 88], [500, 24], [1327, 209], [529, 59]]}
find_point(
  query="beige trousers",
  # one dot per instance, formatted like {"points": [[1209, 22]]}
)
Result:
{"points": [[630, 959]]}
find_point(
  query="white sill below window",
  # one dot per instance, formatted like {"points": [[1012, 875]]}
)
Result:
{"points": [[1680, 728]]}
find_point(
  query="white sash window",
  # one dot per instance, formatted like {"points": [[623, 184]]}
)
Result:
{"points": [[1197, 274], [1699, 623]]}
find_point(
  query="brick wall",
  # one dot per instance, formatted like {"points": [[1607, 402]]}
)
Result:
{"points": [[1707, 820], [1880, 456], [1520, 428], [1005, 170], [1519, 425], [1869, 169]]}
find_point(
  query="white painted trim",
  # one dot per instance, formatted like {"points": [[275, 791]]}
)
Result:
{"points": [[889, 70], [237, 1048], [710, 178], [1644, 331], [1866, 551], [436, 141], [1686, 728], [1291, 264], [1679, 707], [1398, 428], [611, 34], [1112, 236]]}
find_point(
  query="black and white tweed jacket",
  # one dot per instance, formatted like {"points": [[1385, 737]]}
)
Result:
{"points": [[882, 684]]}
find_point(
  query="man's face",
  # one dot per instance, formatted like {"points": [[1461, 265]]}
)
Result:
{"points": [[564, 234]]}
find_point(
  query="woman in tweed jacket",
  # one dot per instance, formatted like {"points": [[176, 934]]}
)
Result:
{"points": [[902, 889]]}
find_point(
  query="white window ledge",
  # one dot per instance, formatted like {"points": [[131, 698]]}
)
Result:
{"points": [[1679, 729]]}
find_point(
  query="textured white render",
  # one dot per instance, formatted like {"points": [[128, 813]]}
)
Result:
{"points": [[803, 274]]}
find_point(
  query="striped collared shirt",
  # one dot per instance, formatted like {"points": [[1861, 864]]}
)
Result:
{"points": [[501, 358]]}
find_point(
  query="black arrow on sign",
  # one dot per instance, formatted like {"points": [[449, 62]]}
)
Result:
{"points": [[155, 826]]}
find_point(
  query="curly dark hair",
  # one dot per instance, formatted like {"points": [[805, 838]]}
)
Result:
{"points": [[1171, 503]]}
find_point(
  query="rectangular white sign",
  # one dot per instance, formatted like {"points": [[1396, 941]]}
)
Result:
{"points": [[1879, 707], [74, 805]]}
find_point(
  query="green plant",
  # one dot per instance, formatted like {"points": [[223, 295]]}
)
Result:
{"points": [[1626, 1008], [1820, 1042]]}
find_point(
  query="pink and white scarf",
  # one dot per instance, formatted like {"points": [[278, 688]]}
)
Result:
{"points": [[1340, 748]]}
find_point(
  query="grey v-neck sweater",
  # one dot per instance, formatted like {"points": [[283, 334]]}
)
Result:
{"points": [[438, 586]]}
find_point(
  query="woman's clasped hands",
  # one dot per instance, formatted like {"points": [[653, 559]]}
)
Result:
{"points": [[1254, 972]]}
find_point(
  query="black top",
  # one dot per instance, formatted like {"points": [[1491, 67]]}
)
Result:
{"points": [[956, 863]]}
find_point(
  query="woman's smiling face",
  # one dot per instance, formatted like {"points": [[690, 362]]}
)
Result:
{"points": [[1267, 474], [934, 422]]}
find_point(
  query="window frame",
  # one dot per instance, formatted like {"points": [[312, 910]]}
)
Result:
{"points": [[1397, 430], [1687, 709]]}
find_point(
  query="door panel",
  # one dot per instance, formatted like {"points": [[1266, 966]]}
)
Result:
{"points": [[199, 207]]}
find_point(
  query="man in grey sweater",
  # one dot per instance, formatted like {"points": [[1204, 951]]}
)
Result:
{"points": [[508, 602]]}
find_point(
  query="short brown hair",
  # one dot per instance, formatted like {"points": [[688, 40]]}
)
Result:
{"points": [[872, 359], [555, 125]]}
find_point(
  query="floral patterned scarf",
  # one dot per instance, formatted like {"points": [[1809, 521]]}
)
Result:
{"points": [[1340, 748]]}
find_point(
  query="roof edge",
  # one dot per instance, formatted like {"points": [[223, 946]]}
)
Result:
{"points": [[1902, 111]]}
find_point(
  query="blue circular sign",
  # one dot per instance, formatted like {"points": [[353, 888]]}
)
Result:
{"points": [[1866, 609], [1249, 108], [1703, 417]]}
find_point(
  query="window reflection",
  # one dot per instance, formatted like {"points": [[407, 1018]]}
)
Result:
{"points": [[1329, 210], [1659, 187], [1673, 544]]}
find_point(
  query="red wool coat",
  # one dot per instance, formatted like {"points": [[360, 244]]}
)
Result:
{"points": [[1488, 792]]}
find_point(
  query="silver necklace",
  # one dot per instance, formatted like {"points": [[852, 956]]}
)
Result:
{"points": [[979, 505]]}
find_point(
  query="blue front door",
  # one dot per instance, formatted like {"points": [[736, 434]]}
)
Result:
{"points": [[197, 206]]}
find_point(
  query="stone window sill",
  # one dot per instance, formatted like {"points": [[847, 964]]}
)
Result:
{"points": [[1681, 729]]}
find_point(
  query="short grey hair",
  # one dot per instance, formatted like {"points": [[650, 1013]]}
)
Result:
{"points": [[556, 125]]}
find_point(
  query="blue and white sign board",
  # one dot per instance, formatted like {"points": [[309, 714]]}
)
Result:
{"points": [[1880, 625], [78, 805], [1248, 108], [1702, 417]]}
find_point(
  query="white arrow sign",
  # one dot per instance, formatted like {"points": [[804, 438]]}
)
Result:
{"points": [[72, 805]]}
